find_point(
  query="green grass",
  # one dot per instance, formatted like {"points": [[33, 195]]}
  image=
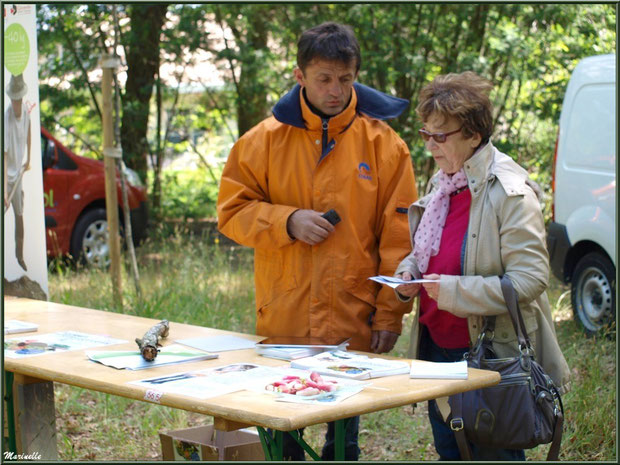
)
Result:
{"points": [[189, 279]]}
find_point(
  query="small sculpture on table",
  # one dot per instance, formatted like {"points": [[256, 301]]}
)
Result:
{"points": [[150, 342]]}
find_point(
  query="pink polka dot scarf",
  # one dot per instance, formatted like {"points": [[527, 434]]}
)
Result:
{"points": [[428, 235]]}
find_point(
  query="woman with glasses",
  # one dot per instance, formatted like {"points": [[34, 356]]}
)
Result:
{"points": [[482, 219]]}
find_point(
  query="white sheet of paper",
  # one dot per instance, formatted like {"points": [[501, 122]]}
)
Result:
{"points": [[435, 370], [395, 282], [218, 343], [211, 382]]}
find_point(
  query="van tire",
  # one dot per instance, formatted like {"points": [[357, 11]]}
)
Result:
{"points": [[89, 241], [593, 293]]}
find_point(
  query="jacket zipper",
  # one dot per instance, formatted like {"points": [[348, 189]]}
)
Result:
{"points": [[325, 146]]}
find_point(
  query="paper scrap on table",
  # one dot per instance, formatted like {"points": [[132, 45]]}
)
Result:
{"points": [[395, 282], [218, 343]]}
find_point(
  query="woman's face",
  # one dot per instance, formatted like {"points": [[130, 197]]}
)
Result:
{"points": [[450, 155]]}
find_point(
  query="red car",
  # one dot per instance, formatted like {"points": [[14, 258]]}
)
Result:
{"points": [[74, 195]]}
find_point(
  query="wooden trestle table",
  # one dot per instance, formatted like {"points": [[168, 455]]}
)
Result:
{"points": [[30, 395]]}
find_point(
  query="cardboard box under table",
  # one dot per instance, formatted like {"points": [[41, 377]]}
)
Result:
{"points": [[206, 443]]}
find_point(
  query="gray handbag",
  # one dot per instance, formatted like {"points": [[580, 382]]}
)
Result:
{"points": [[524, 410]]}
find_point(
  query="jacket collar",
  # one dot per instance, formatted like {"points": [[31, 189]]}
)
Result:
{"points": [[478, 169], [479, 166], [339, 122], [292, 109]]}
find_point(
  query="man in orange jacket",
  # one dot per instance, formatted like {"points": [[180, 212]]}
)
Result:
{"points": [[325, 147]]}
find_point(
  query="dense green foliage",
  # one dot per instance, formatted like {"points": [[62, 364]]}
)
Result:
{"points": [[527, 50], [188, 280]]}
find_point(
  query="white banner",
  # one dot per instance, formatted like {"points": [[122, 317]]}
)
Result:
{"points": [[25, 262]]}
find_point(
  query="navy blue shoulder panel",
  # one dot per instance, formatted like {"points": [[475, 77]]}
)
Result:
{"points": [[371, 102], [378, 105], [288, 109]]}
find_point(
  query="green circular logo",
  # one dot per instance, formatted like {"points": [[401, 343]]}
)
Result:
{"points": [[16, 48]]}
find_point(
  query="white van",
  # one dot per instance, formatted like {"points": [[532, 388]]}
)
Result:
{"points": [[582, 235]]}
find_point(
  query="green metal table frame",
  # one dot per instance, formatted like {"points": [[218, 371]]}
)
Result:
{"points": [[272, 444], [10, 412]]}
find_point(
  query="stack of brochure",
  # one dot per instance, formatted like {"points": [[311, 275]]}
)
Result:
{"points": [[349, 365], [287, 353], [17, 326], [292, 348]]}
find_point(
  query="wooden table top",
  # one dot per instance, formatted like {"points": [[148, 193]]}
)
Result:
{"points": [[243, 407]]}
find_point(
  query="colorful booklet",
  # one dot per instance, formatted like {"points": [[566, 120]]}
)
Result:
{"points": [[52, 343], [132, 359], [350, 365], [434, 370]]}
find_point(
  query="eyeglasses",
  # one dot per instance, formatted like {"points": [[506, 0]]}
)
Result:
{"points": [[439, 137]]}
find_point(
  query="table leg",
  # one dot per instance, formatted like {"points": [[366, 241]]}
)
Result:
{"points": [[34, 417], [339, 426], [272, 445], [10, 416]]}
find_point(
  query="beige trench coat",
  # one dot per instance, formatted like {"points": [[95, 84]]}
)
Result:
{"points": [[506, 235]]}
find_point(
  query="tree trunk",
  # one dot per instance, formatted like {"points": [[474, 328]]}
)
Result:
{"points": [[142, 66], [252, 101]]}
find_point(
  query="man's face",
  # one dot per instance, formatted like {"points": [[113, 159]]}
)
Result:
{"points": [[328, 84]]}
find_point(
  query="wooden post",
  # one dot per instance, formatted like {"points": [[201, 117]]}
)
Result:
{"points": [[34, 418], [108, 64]]}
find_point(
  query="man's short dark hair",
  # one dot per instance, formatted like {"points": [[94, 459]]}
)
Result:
{"points": [[328, 41]]}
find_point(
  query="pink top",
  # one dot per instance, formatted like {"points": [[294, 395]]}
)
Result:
{"points": [[447, 330]]}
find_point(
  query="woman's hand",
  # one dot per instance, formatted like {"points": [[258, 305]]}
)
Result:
{"points": [[432, 289], [408, 290]]}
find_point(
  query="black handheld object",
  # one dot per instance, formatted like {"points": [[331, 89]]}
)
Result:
{"points": [[331, 216]]}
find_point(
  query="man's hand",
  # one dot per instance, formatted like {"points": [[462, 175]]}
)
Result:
{"points": [[408, 290], [382, 341], [308, 226]]}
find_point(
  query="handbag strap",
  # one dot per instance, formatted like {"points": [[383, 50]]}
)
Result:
{"points": [[456, 425], [512, 303], [554, 451]]}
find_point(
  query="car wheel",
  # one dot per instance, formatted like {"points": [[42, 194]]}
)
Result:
{"points": [[593, 292], [89, 241]]}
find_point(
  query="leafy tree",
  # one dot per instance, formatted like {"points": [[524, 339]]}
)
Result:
{"points": [[143, 62], [526, 50]]}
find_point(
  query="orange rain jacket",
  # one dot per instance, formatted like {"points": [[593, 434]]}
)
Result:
{"points": [[357, 166]]}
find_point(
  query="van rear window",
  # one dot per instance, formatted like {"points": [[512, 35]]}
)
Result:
{"points": [[591, 135]]}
